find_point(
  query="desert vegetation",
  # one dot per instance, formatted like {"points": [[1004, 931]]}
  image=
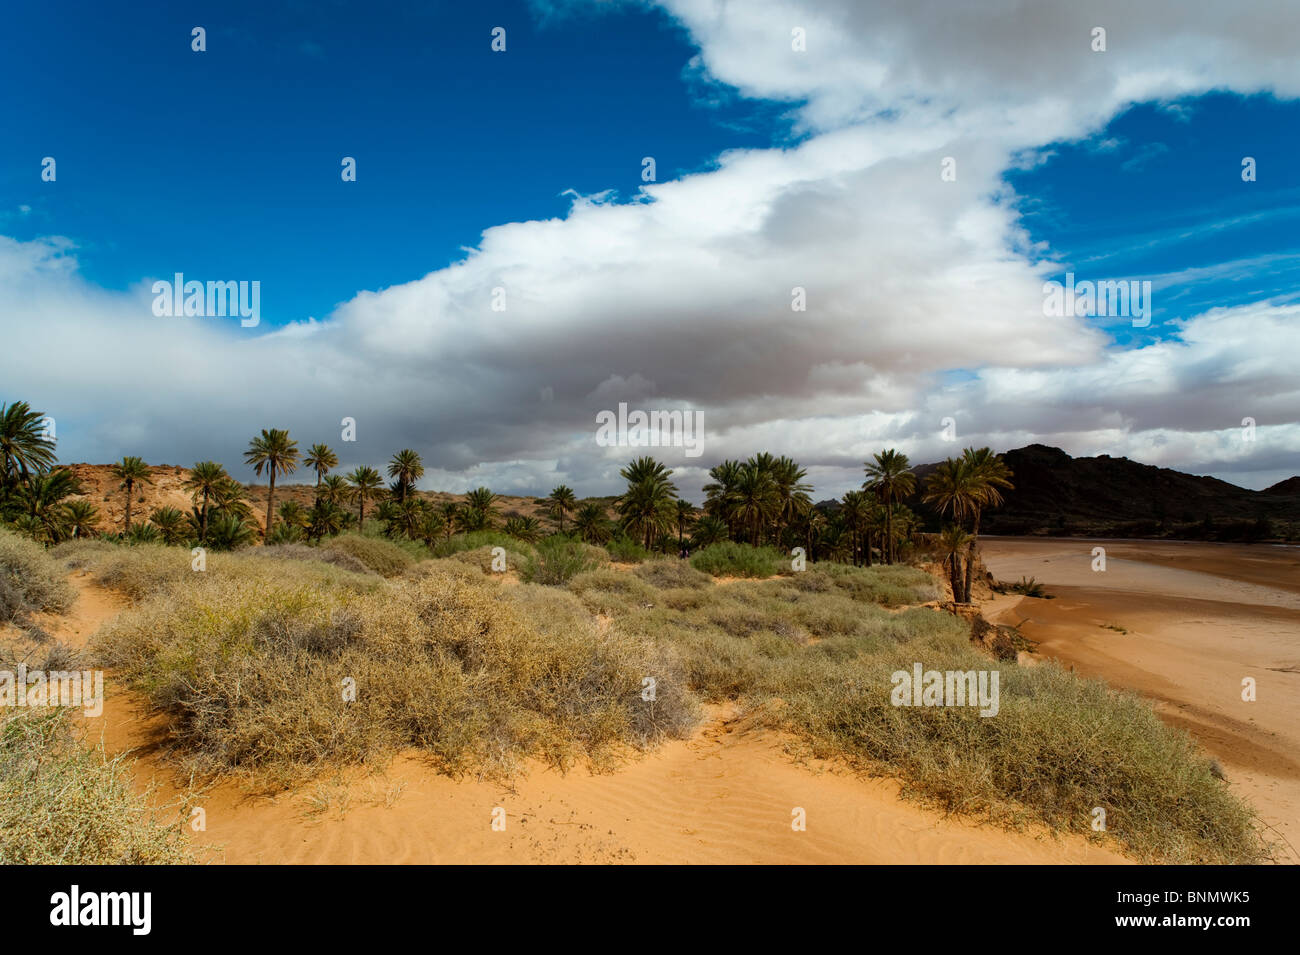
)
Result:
{"points": [[343, 643]]}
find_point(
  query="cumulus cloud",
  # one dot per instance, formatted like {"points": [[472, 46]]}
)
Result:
{"points": [[923, 296]]}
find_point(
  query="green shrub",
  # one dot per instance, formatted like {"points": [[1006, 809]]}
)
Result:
{"points": [[557, 560], [730, 559], [625, 550]]}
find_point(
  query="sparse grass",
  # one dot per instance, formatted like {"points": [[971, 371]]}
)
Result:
{"points": [[63, 802], [248, 666], [30, 579]]}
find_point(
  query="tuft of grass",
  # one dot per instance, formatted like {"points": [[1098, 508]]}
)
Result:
{"points": [[30, 579], [475, 540], [672, 573], [62, 802], [557, 560], [1028, 586]]}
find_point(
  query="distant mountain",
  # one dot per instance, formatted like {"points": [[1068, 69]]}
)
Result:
{"points": [[1104, 496]]}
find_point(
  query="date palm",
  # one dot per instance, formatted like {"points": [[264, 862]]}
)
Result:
{"points": [[791, 491], [647, 507], [718, 495], [130, 471], [366, 484], [755, 501], [42, 499], [685, 516], [480, 509], [24, 445], [450, 517], [953, 541], [276, 453], [320, 458], [170, 523], [82, 518], [989, 476], [709, 529], [591, 524], [335, 489], [561, 501], [407, 467], [527, 529], [891, 478], [205, 477], [855, 510], [952, 490]]}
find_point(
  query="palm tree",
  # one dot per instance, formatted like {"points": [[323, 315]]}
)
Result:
{"points": [[293, 514], [591, 524], [646, 508], [24, 445], [407, 467], [951, 489], [325, 519], [83, 518], [227, 531], [204, 479], [952, 542], [891, 478], [42, 500], [561, 501], [320, 458], [685, 514], [170, 523], [366, 482], [277, 453], [450, 517], [431, 527], [480, 509], [791, 491], [709, 529], [524, 528], [718, 499], [130, 471], [754, 497], [989, 476], [335, 489], [854, 512]]}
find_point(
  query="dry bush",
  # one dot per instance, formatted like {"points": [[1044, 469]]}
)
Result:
{"points": [[30, 579]]}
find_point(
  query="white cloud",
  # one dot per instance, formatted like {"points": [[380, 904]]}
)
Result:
{"points": [[684, 296]]}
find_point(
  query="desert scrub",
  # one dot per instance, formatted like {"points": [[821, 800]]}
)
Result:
{"points": [[143, 572], [557, 560], [64, 802], [611, 591], [730, 559], [624, 550], [251, 676], [890, 585], [324, 554], [1057, 747], [672, 572], [476, 540], [30, 579], [382, 556]]}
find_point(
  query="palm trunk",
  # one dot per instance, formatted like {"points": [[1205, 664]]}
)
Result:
{"points": [[888, 549], [970, 556], [270, 500], [129, 486], [361, 519], [868, 549], [203, 518]]}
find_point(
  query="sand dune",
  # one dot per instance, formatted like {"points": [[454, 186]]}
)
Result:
{"points": [[1199, 617]]}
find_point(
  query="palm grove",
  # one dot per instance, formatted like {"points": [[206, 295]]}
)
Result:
{"points": [[761, 502]]}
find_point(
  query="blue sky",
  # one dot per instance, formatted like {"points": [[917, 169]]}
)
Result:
{"points": [[227, 162], [777, 167]]}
